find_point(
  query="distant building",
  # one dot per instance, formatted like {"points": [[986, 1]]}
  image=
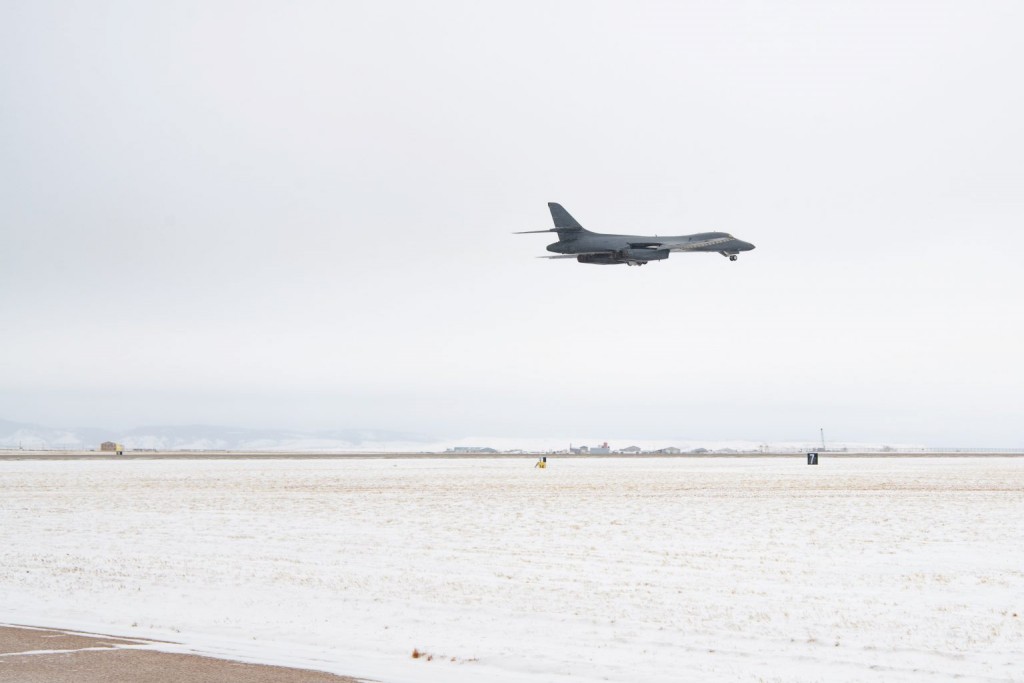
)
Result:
{"points": [[631, 450], [671, 450], [603, 449], [472, 449], [111, 447]]}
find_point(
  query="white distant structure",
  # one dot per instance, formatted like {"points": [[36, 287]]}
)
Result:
{"points": [[630, 450], [603, 449], [671, 450]]}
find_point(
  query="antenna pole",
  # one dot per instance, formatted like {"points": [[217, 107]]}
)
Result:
{"points": [[822, 438]]}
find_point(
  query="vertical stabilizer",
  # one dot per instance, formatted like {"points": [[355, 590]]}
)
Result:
{"points": [[563, 220]]}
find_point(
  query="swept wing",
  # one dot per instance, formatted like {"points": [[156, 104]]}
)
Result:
{"points": [[682, 245]]}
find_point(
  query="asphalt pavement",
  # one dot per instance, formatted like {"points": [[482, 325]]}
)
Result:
{"points": [[38, 655]]}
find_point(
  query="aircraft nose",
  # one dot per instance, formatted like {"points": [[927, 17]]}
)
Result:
{"points": [[747, 246]]}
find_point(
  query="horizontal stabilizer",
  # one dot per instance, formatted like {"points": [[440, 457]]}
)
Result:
{"points": [[582, 253], [533, 232]]}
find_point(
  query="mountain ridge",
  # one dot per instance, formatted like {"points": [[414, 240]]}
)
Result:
{"points": [[200, 437]]}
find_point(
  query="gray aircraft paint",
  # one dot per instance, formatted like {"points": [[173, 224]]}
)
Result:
{"points": [[574, 241]]}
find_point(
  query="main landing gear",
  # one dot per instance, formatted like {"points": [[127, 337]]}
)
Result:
{"points": [[732, 257]]}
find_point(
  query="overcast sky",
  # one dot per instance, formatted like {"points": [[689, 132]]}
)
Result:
{"points": [[298, 214]]}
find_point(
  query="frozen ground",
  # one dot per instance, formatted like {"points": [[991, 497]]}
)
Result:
{"points": [[594, 569]]}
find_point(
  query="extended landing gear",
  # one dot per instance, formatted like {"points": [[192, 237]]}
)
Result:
{"points": [[733, 257]]}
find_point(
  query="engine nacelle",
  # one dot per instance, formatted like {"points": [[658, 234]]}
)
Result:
{"points": [[631, 256], [643, 254], [599, 259]]}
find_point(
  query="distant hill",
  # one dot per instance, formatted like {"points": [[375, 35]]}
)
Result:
{"points": [[33, 436], [204, 437]]}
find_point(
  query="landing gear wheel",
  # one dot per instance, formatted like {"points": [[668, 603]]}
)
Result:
{"points": [[733, 257]]}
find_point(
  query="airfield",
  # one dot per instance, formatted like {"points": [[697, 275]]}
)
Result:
{"points": [[62, 454], [712, 568]]}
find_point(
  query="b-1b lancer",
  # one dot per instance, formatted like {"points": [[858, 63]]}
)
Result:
{"points": [[634, 250]]}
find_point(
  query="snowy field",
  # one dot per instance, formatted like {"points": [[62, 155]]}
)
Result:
{"points": [[749, 569]]}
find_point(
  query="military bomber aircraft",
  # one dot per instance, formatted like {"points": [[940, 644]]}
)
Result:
{"points": [[634, 250]]}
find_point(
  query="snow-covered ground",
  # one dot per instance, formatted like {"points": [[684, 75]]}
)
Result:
{"points": [[594, 569]]}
